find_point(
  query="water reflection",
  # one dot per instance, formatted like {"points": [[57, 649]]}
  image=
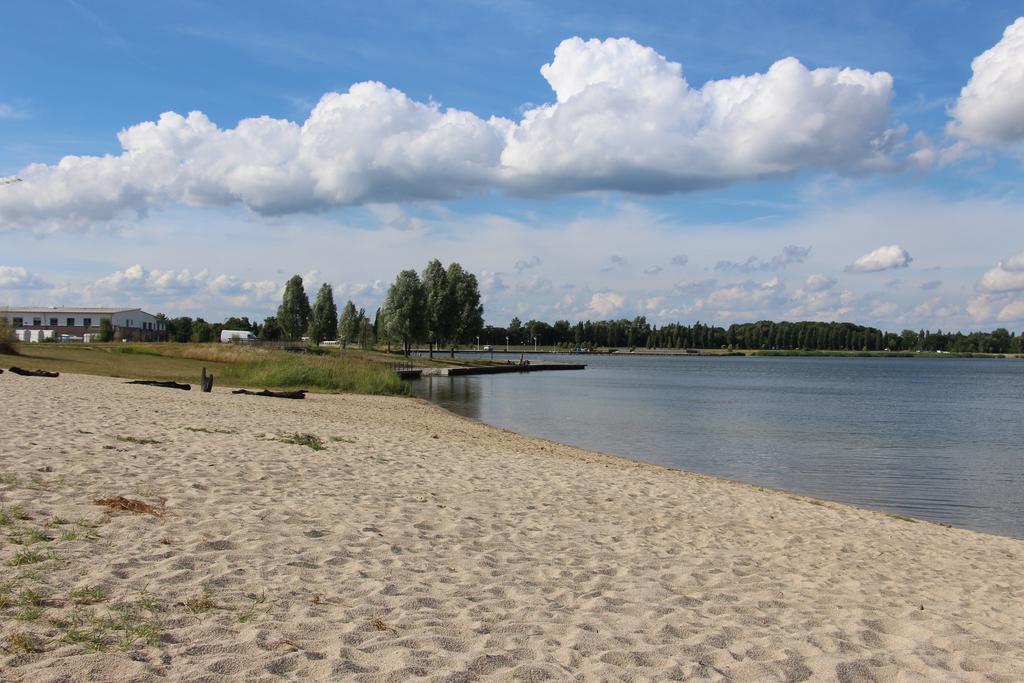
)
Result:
{"points": [[938, 439]]}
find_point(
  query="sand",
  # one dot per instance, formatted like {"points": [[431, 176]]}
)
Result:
{"points": [[420, 544]]}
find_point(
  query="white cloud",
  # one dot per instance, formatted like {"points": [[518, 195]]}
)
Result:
{"points": [[652, 270], [680, 260], [744, 296], [16, 277], [819, 282], [1012, 312], [1007, 276], [604, 304], [990, 109], [624, 119], [789, 255], [884, 258]]}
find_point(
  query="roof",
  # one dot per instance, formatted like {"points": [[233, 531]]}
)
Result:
{"points": [[63, 309]]}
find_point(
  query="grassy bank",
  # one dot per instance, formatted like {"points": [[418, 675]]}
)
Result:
{"points": [[232, 365]]}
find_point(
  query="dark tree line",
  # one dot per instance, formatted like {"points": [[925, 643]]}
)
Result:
{"points": [[811, 336]]}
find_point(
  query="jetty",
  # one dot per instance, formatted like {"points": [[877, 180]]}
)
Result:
{"points": [[463, 370]]}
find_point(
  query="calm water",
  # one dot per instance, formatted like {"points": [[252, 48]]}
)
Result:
{"points": [[940, 439]]}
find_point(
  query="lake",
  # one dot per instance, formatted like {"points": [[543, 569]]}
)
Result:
{"points": [[939, 439]]}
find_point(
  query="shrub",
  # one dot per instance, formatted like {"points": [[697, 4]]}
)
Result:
{"points": [[8, 344]]}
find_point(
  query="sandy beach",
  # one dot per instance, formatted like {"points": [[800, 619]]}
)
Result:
{"points": [[420, 544]]}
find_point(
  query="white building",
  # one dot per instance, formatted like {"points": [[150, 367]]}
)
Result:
{"points": [[38, 323]]}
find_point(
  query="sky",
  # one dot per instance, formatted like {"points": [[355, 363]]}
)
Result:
{"points": [[716, 162]]}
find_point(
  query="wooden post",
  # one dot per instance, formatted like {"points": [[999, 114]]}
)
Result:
{"points": [[206, 382]]}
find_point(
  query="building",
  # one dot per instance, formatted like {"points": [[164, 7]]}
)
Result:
{"points": [[73, 324]]}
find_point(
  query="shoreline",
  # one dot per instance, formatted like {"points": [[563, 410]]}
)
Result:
{"points": [[814, 500], [415, 542]]}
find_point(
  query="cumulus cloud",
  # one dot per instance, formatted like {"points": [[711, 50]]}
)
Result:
{"points": [[1007, 276], [743, 297], [604, 304], [624, 119], [930, 285], [680, 260], [819, 282], [884, 258], [990, 109], [16, 277], [137, 282], [790, 254]]}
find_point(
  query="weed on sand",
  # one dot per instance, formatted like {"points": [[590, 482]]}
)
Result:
{"points": [[307, 440]]}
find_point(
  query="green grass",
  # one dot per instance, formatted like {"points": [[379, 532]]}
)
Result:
{"points": [[204, 430], [903, 518], [24, 642], [361, 372], [88, 596], [330, 373], [307, 440], [26, 556], [136, 350], [136, 439]]}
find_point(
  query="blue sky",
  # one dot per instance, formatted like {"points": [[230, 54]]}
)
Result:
{"points": [[901, 194]]}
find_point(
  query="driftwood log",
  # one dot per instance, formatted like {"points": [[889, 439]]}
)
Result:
{"points": [[206, 382], [34, 373], [272, 394], [157, 383]]}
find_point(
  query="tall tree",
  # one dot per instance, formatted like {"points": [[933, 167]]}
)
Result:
{"points": [[441, 309], [404, 309], [467, 311], [293, 313], [348, 326], [323, 319], [271, 331]]}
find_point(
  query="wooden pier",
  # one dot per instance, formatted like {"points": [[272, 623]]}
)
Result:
{"points": [[461, 371]]}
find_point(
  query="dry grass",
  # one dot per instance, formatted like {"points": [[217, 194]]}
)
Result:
{"points": [[129, 505]]}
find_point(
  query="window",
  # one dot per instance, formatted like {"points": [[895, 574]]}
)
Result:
{"points": [[37, 322], [19, 322], [53, 322], [86, 322], [71, 322]]}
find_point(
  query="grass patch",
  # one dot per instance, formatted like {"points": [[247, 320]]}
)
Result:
{"points": [[37, 536], [26, 556], [88, 596], [902, 518], [9, 479], [307, 440], [79, 533], [18, 512], [24, 642], [202, 603], [363, 372], [204, 430], [136, 350], [136, 439], [57, 521], [329, 373]]}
